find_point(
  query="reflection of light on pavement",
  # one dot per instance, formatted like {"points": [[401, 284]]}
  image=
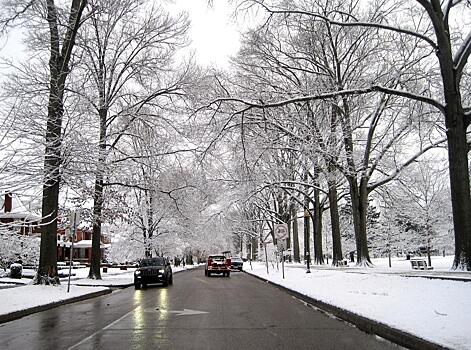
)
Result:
{"points": [[138, 314], [139, 322], [162, 301], [153, 316], [163, 304], [138, 297]]}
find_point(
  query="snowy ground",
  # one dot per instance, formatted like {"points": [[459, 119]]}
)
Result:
{"points": [[28, 296], [436, 310]]}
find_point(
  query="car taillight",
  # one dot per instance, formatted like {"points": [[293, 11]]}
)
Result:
{"points": [[210, 261], [228, 262]]}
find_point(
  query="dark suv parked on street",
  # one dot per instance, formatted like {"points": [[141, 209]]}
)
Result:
{"points": [[153, 270]]}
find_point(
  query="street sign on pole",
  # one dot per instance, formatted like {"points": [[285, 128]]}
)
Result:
{"points": [[74, 218], [281, 231]]}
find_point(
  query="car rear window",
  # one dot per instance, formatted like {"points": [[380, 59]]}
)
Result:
{"points": [[153, 262], [217, 257]]}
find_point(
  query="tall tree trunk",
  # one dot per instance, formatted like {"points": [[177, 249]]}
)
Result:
{"points": [[150, 223], [47, 271], [58, 67], [335, 224], [460, 196], [337, 254], [98, 199], [253, 249], [317, 227], [95, 263], [307, 236], [456, 125], [359, 209], [294, 218], [307, 215], [358, 193]]}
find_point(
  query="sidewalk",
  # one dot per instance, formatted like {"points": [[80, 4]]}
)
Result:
{"points": [[27, 299]]}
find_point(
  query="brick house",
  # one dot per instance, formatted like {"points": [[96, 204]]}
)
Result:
{"points": [[16, 216], [82, 245]]}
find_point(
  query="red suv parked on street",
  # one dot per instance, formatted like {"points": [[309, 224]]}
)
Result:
{"points": [[218, 264]]}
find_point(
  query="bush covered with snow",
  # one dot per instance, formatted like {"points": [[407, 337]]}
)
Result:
{"points": [[16, 270]]}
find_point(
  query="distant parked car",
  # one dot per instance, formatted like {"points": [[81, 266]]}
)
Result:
{"points": [[237, 263], [153, 270], [217, 264]]}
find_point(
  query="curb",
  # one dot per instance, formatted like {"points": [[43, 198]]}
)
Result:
{"points": [[114, 286], [21, 313], [367, 325]]}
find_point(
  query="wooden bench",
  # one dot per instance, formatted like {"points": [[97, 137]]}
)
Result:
{"points": [[343, 262], [420, 264]]}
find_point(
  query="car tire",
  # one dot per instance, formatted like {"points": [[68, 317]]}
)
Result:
{"points": [[209, 274], [228, 274], [206, 272], [170, 280], [137, 286]]}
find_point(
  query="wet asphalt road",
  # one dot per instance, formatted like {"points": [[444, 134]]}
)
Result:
{"points": [[239, 312]]}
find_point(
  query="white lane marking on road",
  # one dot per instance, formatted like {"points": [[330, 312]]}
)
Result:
{"points": [[184, 312], [101, 330]]}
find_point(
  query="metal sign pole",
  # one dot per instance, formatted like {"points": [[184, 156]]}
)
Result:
{"points": [[266, 256], [283, 263], [70, 262], [74, 218]]}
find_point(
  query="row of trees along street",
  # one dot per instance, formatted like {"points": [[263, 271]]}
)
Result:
{"points": [[356, 93], [336, 115]]}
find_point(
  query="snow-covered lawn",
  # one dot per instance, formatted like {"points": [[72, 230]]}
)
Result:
{"points": [[436, 310]]}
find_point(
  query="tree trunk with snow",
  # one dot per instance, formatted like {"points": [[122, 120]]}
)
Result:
{"points": [[98, 197], [317, 220], [59, 70], [451, 69], [337, 254], [294, 220]]}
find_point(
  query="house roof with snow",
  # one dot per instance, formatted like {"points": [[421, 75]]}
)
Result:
{"points": [[84, 243], [13, 208]]}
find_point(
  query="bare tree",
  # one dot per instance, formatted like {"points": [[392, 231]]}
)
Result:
{"points": [[63, 26], [125, 46]]}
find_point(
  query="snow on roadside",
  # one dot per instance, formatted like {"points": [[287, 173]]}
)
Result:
{"points": [[436, 310], [29, 296]]}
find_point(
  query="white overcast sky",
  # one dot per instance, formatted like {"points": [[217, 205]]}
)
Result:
{"points": [[214, 34]]}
